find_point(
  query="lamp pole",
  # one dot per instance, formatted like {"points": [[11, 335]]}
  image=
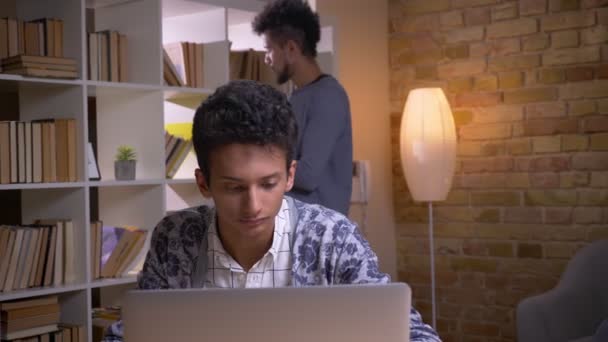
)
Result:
{"points": [[432, 253]]}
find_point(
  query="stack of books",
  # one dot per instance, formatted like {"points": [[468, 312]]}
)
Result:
{"points": [[107, 52], [40, 66], [102, 319], [34, 319]]}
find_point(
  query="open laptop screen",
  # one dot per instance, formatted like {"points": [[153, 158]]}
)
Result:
{"points": [[353, 313]]}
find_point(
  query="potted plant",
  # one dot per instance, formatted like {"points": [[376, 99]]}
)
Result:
{"points": [[124, 166]]}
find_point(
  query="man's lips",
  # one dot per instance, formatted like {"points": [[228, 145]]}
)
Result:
{"points": [[253, 221]]}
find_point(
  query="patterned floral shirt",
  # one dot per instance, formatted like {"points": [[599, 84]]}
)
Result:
{"points": [[327, 249]]}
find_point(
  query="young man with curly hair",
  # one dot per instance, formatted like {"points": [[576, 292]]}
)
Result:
{"points": [[255, 236], [324, 151]]}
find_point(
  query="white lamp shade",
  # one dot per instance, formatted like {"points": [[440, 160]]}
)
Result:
{"points": [[428, 144]]}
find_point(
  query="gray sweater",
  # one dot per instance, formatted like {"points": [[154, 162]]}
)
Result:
{"points": [[324, 150]]}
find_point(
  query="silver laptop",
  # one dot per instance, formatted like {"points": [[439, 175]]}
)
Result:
{"points": [[353, 313]]}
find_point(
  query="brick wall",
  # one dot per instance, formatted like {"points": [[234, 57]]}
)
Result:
{"points": [[528, 84]]}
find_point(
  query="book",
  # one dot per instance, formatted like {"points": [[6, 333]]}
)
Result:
{"points": [[28, 303], [29, 332]]}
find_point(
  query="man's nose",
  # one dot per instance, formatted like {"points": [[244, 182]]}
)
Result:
{"points": [[253, 202]]}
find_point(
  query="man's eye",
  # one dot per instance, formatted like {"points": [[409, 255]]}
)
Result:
{"points": [[269, 186], [236, 188]]}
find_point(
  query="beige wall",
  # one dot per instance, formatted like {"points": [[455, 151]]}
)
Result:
{"points": [[362, 44]]}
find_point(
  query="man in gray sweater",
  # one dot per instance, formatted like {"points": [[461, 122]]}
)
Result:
{"points": [[324, 151]]}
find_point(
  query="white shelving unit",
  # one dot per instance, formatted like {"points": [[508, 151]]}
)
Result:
{"points": [[132, 113]]}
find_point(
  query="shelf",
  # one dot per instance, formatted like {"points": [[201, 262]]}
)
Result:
{"points": [[10, 82], [34, 292], [23, 186], [117, 183], [182, 181], [113, 282]]}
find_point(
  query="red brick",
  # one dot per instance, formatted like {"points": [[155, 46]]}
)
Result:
{"points": [[529, 250], [478, 99], [563, 5], [451, 19], [469, 34], [591, 89], [499, 47], [536, 42], [595, 35], [593, 197], [559, 198], [460, 85], [457, 51], [550, 126], [504, 11], [568, 20], [581, 107], [512, 28], [544, 180], [551, 76], [484, 132], [543, 164], [573, 179], [545, 110], [587, 215], [513, 63], [579, 74], [595, 124], [500, 198], [471, 3], [523, 215], [412, 7], [564, 39], [487, 164], [599, 179], [480, 329], [587, 54], [602, 71], [558, 215], [469, 264], [477, 16], [594, 161], [519, 146], [499, 113], [420, 23], [593, 3], [461, 68], [528, 95], [532, 7]]}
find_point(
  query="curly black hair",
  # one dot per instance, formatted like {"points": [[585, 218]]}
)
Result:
{"points": [[290, 20], [243, 112]]}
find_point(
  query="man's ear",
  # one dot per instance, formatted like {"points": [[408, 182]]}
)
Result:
{"points": [[292, 49], [201, 183], [291, 174]]}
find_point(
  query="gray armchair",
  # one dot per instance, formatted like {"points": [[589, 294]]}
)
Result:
{"points": [[576, 307]]}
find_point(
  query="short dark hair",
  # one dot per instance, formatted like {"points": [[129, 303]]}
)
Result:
{"points": [[243, 112], [290, 20]]}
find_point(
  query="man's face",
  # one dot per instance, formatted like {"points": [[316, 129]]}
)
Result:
{"points": [[277, 57], [247, 184]]}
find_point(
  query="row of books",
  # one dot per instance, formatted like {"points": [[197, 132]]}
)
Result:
{"points": [[107, 52], [41, 37], [176, 151], [37, 255], [38, 151], [37, 320], [183, 64], [116, 251], [40, 66]]}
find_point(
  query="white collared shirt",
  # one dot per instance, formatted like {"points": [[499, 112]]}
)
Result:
{"points": [[273, 270]]}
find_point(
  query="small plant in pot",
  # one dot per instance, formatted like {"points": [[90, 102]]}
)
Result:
{"points": [[124, 166]]}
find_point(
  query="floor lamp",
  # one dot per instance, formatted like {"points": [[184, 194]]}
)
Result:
{"points": [[428, 155]]}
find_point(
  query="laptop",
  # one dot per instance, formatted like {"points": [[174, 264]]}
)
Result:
{"points": [[353, 313]]}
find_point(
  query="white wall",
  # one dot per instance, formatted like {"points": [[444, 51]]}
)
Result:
{"points": [[361, 40]]}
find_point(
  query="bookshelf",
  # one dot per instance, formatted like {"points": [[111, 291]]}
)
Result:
{"points": [[132, 113]]}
